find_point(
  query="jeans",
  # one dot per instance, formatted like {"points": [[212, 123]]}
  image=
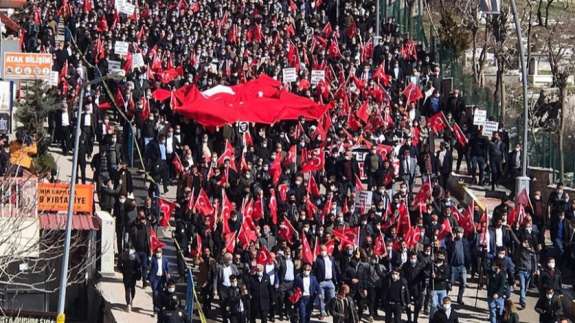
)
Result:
{"points": [[524, 280], [436, 299], [326, 293], [459, 274], [496, 307], [143, 260]]}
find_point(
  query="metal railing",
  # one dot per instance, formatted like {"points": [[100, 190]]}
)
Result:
{"points": [[15, 316]]}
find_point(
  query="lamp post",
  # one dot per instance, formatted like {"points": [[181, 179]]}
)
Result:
{"points": [[522, 182], [61, 318]]}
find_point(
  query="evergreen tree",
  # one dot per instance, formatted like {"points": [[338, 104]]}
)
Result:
{"points": [[32, 114]]}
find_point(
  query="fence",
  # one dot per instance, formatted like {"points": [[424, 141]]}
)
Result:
{"points": [[409, 21], [14, 316]]}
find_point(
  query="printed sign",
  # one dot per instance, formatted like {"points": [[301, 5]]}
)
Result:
{"points": [[243, 126], [363, 200], [479, 117], [138, 60], [54, 197], [125, 7], [121, 48], [490, 127], [27, 66], [360, 154], [54, 78], [316, 76], [114, 65], [289, 74]]}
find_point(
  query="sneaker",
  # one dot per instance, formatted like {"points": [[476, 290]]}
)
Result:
{"points": [[370, 319], [129, 308]]}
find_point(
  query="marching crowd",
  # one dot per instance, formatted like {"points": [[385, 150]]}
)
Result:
{"points": [[350, 215]]}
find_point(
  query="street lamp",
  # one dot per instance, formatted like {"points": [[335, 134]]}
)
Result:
{"points": [[61, 318], [522, 182]]}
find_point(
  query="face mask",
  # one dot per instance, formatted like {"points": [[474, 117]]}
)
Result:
{"points": [[306, 273], [460, 235], [413, 262], [395, 277], [122, 200], [447, 307], [529, 229], [298, 183], [549, 296], [501, 256], [158, 255], [324, 253], [537, 197], [350, 252], [172, 289], [560, 192], [551, 265], [428, 253], [260, 274], [235, 284]]}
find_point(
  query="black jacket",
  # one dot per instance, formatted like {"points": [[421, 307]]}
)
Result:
{"points": [[396, 292], [140, 238], [441, 317], [497, 284], [261, 293], [319, 270], [550, 310]]}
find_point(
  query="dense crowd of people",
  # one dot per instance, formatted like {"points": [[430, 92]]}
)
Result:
{"points": [[277, 217]]}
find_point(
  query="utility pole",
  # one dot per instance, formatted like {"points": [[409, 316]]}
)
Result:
{"points": [[522, 182]]}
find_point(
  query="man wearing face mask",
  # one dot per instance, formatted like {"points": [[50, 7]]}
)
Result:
{"points": [[540, 214], [497, 288], [141, 242], [236, 304], [222, 283], [415, 278], [508, 267], [527, 260], [396, 297], [158, 276], [261, 292], [326, 272], [446, 314], [550, 307], [459, 258], [441, 275], [169, 306], [286, 276], [309, 287], [267, 239], [550, 277], [561, 233], [131, 272]]}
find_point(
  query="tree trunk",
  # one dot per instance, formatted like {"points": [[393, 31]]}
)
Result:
{"points": [[530, 21], [539, 14], [503, 98], [549, 2], [562, 89], [474, 58]]}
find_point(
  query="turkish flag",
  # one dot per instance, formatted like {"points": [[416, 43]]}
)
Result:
{"points": [[166, 209], [273, 207], [246, 235], [315, 163], [286, 231], [128, 63], [177, 163], [327, 30], [445, 230], [231, 242], [379, 75], [351, 30], [523, 199], [203, 204], [88, 6], [276, 169], [363, 112], [258, 207], [291, 157], [312, 187], [423, 195], [467, 219], [412, 93], [227, 208], [198, 251], [283, 189], [247, 212], [358, 184], [327, 207], [459, 135], [310, 208], [347, 235], [306, 252], [229, 153], [413, 236], [379, 246], [264, 256], [437, 122], [403, 221], [155, 243]]}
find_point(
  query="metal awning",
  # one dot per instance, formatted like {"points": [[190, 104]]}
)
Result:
{"points": [[58, 222]]}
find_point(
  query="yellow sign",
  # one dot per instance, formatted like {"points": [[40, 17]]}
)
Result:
{"points": [[27, 66], [54, 197]]}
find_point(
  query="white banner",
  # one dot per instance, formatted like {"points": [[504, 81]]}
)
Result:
{"points": [[363, 200], [316, 76], [138, 60], [490, 127], [479, 117], [114, 65], [125, 7], [289, 75], [121, 48]]}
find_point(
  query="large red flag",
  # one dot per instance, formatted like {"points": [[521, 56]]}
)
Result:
{"points": [[155, 243], [166, 209], [310, 208], [306, 252], [283, 189], [403, 221], [291, 157], [198, 250], [467, 219], [523, 199], [246, 235], [230, 242], [258, 208], [423, 195], [312, 187], [203, 204], [358, 184], [327, 30], [413, 236]]}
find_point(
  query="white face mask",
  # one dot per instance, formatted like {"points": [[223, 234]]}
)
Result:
{"points": [[447, 307], [306, 273], [172, 289], [549, 296], [158, 255], [324, 253], [234, 284], [551, 265]]}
